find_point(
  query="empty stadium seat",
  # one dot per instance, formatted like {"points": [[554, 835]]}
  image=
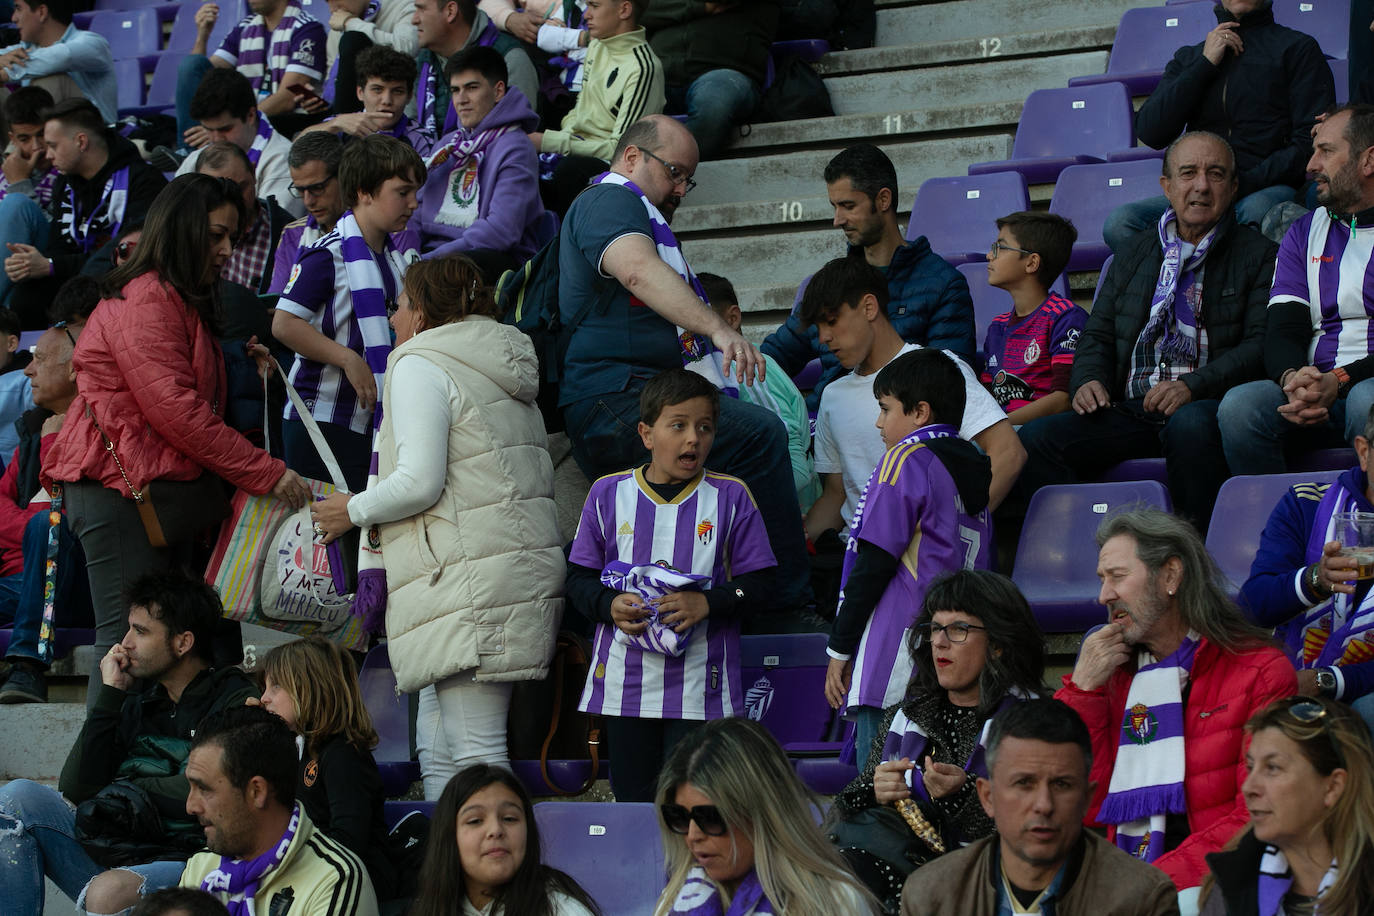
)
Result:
{"points": [[1146, 40], [129, 77], [958, 215], [1087, 194], [783, 676], [1056, 559], [131, 33], [390, 713], [1328, 21], [1064, 127], [1243, 507], [613, 849], [989, 301], [162, 89]]}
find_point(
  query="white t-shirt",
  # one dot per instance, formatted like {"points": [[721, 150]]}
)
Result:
{"points": [[847, 442], [563, 905]]}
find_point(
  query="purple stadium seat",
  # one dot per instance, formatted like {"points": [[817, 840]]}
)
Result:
{"points": [[1137, 469], [390, 713], [1328, 21], [566, 775], [1102, 275], [1322, 459], [131, 33], [1146, 40], [989, 301], [1135, 153], [613, 849], [1242, 509], [825, 775], [783, 676], [1056, 559], [806, 379], [958, 215], [1087, 194], [129, 76], [162, 90], [319, 9], [1064, 127], [184, 28], [1340, 72]]}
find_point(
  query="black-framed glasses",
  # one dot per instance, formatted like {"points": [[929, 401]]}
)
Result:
{"points": [[65, 328], [300, 190], [956, 632], [675, 173], [999, 246], [708, 818]]}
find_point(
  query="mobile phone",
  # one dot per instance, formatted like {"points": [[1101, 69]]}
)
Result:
{"points": [[304, 93]]}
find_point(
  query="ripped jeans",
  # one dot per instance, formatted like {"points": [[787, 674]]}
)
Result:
{"points": [[38, 838], [153, 876]]}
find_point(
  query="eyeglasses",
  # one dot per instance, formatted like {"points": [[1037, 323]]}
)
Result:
{"points": [[998, 247], [300, 190], [1308, 712], [65, 328], [708, 818], [675, 174], [956, 632]]}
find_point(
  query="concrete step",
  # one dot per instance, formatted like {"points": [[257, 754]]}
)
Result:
{"points": [[992, 20], [37, 738], [965, 50]]}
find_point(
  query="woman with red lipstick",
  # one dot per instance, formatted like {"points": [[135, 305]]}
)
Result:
{"points": [[1309, 847], [739, 834], [975, 648], [482, 857]]}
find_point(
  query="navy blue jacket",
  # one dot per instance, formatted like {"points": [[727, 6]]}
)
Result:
{"points": [[1270, 596], [929, 305]]}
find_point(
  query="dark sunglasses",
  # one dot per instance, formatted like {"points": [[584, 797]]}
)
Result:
{"points": [[65, 329], [1307, 711], [708, 818], [124, 249]]}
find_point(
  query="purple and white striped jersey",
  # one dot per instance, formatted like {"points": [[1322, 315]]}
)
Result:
{"points": [[911, 509], [317, 291], [712, 528], [296, 45], [1326, 267]]}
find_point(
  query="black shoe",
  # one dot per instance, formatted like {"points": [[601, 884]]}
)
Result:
{"points": [[165, 159], [25, 685]]}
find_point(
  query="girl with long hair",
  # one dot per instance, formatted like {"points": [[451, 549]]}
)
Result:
{"points": [[482, 858], [739, 832], [312, 684], [1309, 847], [975, 648]]}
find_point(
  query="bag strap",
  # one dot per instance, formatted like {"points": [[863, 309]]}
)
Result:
{"points": [[565, 647], [331, 464], [109, 447]]}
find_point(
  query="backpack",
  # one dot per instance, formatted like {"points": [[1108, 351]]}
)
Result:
{"points": [[796, 92]]}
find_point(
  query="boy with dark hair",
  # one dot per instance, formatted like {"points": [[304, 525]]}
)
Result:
{"points": [[923, 512], [26, 168], [776, 393], [1029, 350], [482, 196], [666, 559], [386, 83], [70, 63], [847, 301], [334, 308], [226, 109]]}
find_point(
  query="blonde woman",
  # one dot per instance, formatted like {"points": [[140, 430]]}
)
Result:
{"points": [[1309, 847], [739, 833]]}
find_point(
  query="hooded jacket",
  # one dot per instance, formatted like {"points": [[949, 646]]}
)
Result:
{"points": [[508, 203], [476, 580], [1262, 101]]}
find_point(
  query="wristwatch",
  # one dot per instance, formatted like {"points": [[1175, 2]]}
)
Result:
{"points": [[1326, 683]]}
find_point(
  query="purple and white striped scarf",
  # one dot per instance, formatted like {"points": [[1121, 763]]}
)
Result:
{"points": [[429, 90], [699, 355], [1170, 314], [652, 582], [279, 48], [700, 897], [260, 141], [1147, 779], [1276, 879], [1342, 624], [107, 214], [906, 739], [240, 880]]}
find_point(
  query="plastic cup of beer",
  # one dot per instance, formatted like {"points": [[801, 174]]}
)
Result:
{"points": [[1356, 531]]}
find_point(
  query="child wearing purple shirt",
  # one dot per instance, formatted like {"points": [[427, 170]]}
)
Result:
{"points": [[923, 512], [674, 514]]}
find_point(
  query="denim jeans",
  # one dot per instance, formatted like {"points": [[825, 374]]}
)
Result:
{"points": [[867, 721], [1068, 447], [1128, 220], [714, 103], [751, 444], [21, 220], [38, 838], [21, 596], [1255, 435], [155, 876], [189, 73]]}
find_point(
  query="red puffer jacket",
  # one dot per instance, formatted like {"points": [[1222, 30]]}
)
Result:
{"points": [[153, 375], [1225, 690]]}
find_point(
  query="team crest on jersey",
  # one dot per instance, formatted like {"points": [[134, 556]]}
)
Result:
{"points": [[1141, 725], [291, 280], [758, 698], [1032, 353], [705, 531]]}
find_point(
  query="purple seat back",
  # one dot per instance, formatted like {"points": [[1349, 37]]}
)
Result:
{"points": [[1087, 194], [612, 849], [1328, 21], [183, 35], [1340, 73], [1138, 469], [129, 76], [162, 90], [131, 33], [783, 676], [390, 710], [1079, 121], [958, 215], [1242, 510], [1148, 36], [1102, 275], [1322, 459], [1056, 558]]}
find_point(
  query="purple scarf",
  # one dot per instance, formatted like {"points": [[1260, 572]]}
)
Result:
{"points": [[1168, 310], [239, 880], [108, 213], [699, 897], [1276, 879], [906, 739], [264, 136]]}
